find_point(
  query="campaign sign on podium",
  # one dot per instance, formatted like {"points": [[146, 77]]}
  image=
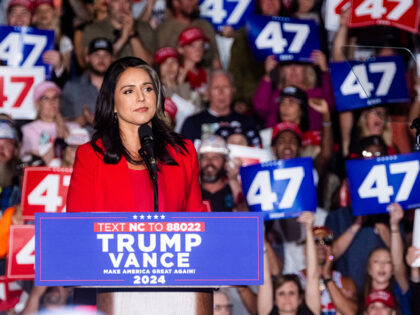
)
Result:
{"points": [[288, 39], [21, 258], [281, 189], [377, 182], [379, 80], [44, 189], [149, 249]]}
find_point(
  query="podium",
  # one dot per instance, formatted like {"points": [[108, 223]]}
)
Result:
{"points": [[140, 263]]}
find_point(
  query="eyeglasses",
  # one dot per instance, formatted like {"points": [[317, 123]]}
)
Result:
{"points": [[45, 99], [368, 154], [326, 241], [226, 307]]}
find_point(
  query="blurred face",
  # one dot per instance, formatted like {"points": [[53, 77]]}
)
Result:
{"points": [[100, 5], [287, 298], [378, 308], [48, 105], [374, 151], [222, 306], [169, 69], [286, 145], [188, 8], [212, 167], [375, 119], [43, 16], [380, 267], [305, 6], [55, 297], [294, 74], [118, 9], [19, 16], [270, 7], [7, 150], [220, 93], [193, 52], [134, 98], [290, 110], [99, 61], [322, 248], [237, 139]]}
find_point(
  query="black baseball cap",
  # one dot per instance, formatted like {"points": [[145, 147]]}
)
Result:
{"points": [[100, 43], [295, 92]]}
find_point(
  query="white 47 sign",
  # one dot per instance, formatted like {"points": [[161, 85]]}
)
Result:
{"points": [[44, 189]]}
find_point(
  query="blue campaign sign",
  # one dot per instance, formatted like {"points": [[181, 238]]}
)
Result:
{"points": [[375, 183], [288, 39], [281, 189], [379, 80], [24, 46], [227, 12], [148, 249]]}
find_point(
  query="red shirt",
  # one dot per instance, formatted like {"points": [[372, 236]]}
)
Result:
{"points": [[99, 187]]}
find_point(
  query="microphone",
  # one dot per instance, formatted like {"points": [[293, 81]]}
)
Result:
{"points": [[147, 152]]}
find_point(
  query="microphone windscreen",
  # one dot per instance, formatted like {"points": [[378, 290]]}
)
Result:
{"points": [[145, 131]]}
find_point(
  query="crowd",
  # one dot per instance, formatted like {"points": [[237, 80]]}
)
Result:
{"points": [[328, 262]]}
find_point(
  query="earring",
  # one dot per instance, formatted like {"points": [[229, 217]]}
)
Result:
{"points": [[115, 118]]}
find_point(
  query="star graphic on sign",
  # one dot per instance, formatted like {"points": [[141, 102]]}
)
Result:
{"points": [[162, 216], [135, 217], [149, 216], [141, 217], [156, 217]]}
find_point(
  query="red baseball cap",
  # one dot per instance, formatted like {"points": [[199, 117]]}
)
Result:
{"points": [[190, 35], [37, 3], [311, 137], [26, 3], [381, 296], [164, 53], [286, 125], [170, 108]]}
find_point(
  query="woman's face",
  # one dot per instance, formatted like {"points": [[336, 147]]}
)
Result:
{"points": [[294, 74], [48, 105], [305, 6], [375, 119], [380, 267], [270, 7], [169, 69], [134, 98], [193, 52], [289, 110], [287, 297]]}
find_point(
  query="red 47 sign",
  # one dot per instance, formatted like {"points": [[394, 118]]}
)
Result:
{"points": [[44, 189], [16, 90], [10, 292], [398, 13], [21, 258]]}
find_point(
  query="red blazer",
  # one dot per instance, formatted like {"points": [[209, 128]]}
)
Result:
{"points": [[99, 187]]}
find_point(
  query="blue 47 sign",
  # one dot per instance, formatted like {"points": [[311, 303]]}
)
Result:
{"points": [[378, 80], [24, 46], [375, 183], [227, 12], [281, 188], [288, 39]]}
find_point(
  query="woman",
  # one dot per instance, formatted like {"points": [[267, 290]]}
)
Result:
{"points": [[109, 174], [386, 269]]}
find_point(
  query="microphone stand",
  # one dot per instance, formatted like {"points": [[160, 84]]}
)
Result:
{"points": [[153, 177]]}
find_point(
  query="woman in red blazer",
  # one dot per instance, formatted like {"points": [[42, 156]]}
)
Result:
{"points": [[109, 174]]}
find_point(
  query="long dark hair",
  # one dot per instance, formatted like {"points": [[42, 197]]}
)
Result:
{"points": [[106, 124]]}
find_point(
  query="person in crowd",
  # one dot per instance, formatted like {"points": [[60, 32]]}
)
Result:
{"points": [[356, 237], [167, 63], [293, 107], [413, 254], [287, 296], [45, 136], [279, 75], [380, 302], [128, 36], [76, 138], [246, 70], [9, 153], [235, 135], [47, 299], [19, 13], [221, 303], [183, 14], [191, 43], [385, 268], [220, 186], [170, 113], [219, 112], [79, 95], [130, 100], [338, 293]]}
